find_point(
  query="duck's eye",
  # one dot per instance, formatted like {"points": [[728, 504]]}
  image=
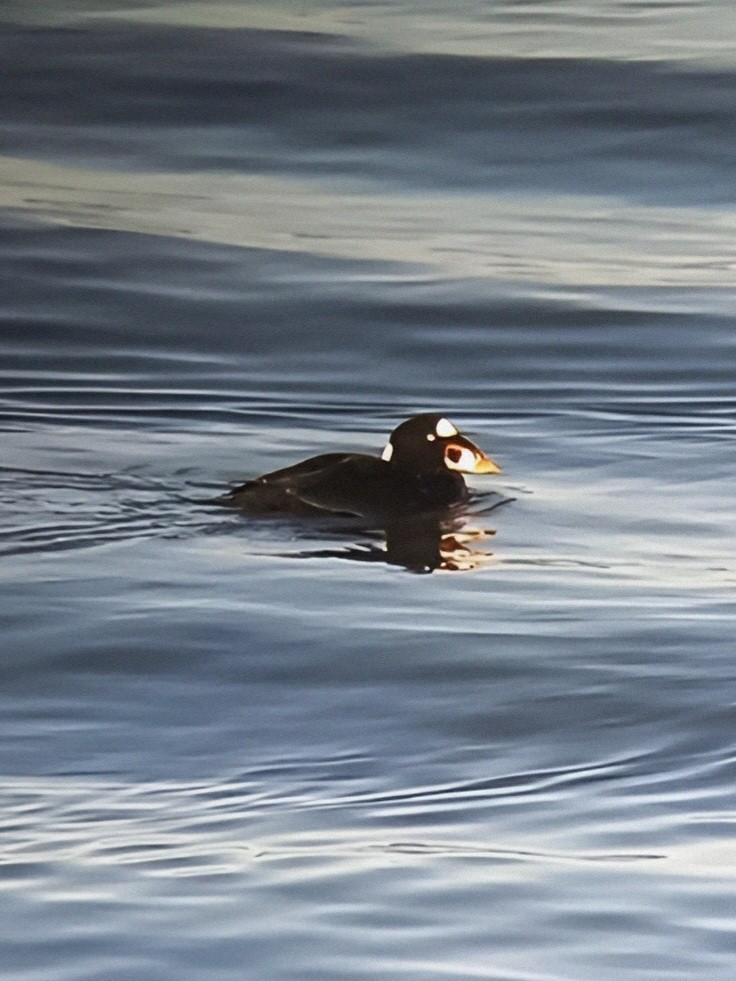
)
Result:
{"points": [[453, 453]]}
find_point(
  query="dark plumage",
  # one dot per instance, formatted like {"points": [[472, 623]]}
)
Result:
{"points": [[420, 471]]}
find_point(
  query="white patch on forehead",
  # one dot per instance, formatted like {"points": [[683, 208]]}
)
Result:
{"points": [[431, 437], [445, 428], [388, 452]]}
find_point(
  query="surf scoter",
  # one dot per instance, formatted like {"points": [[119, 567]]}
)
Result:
{"points": [[419, 471]]}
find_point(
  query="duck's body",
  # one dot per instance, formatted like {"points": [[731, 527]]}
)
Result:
{"points": [[348, 483], [420, 471]]}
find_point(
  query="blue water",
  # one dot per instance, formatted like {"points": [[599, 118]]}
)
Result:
{"points": [[233, 237]]}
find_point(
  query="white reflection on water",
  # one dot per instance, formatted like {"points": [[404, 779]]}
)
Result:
{"points": [[548, 28], [514, 238], [185, 829]]}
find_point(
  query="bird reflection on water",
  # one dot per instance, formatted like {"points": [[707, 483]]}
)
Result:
{"points": [[438, 541]]}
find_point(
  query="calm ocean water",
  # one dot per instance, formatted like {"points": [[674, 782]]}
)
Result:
{"points": [[235, 235]]}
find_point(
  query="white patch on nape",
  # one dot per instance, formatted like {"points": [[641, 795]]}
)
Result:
{"points": [[431, 437], [465, 462], [445, 429], [388, 452]]}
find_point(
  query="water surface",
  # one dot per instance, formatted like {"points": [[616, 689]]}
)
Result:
{"points": [[236, 237]]}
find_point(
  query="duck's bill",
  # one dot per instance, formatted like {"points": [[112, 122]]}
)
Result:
{"points": [[484, 464]]}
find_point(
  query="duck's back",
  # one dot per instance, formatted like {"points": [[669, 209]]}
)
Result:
{"points": [[331, 482]]}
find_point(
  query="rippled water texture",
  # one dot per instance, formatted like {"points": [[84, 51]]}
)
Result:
{"points": [[234, 235]]}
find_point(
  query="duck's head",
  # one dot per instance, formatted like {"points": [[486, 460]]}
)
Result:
{"points": [[429, 442]]}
